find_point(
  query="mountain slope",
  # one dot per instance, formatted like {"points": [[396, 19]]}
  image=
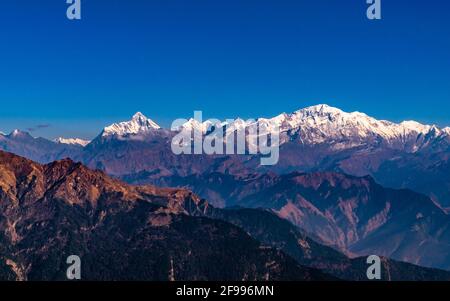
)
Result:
{"points": [[139, 124], [324, 124], [121, 232], [270, 229], [72, 141], [353, 214], [37, 149], [317, 138]]}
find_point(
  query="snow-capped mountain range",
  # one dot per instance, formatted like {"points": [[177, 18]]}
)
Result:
{"points": [[312, 125], [72, 141], [332, 122], [139, 124], [314, 138], [325, 124]]}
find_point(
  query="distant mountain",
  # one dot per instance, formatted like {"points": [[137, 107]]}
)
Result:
{"points": [[121, 232], [353, 214], [318, 138], [427, 172], [271, 230], [138, 125], [324, 124], [37, 149], [72, 141]]}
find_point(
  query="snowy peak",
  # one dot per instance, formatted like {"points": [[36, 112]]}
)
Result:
{"points": [[202, 127], [311, 125], [333, 121], [326, 124], [446, 131], [18, 134], [139, 124], [143, 121], [193, 124], [319, 110], [72, 141], [237, 125], [412, 125], [324, 114]]}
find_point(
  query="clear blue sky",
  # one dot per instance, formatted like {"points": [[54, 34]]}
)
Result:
{"points": [[229, 58]]}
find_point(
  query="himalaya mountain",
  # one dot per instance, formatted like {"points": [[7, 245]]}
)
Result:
{"points": [[319, 138], [121, 232], [352, 214], [72, 141], [268, 228], [124, 232], [37, 149], [313, 140]]}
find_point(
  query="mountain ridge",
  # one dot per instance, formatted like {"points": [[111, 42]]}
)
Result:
{"points": [[316, 115], [125, 232], [316, 138], [353, 214], [121, 232]]}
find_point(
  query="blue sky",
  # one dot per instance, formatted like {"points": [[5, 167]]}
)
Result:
{"points": [[247, 58]]}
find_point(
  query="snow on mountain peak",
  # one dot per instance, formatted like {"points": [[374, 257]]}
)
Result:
{"points": [[15, 133], [319, 110], [193, 124], [139, 124], [72, 141], [311, 125], [446, 130], [415, 126], [139, 117], [19, 134], [323, 123], [202, 127], [330, 118]]}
